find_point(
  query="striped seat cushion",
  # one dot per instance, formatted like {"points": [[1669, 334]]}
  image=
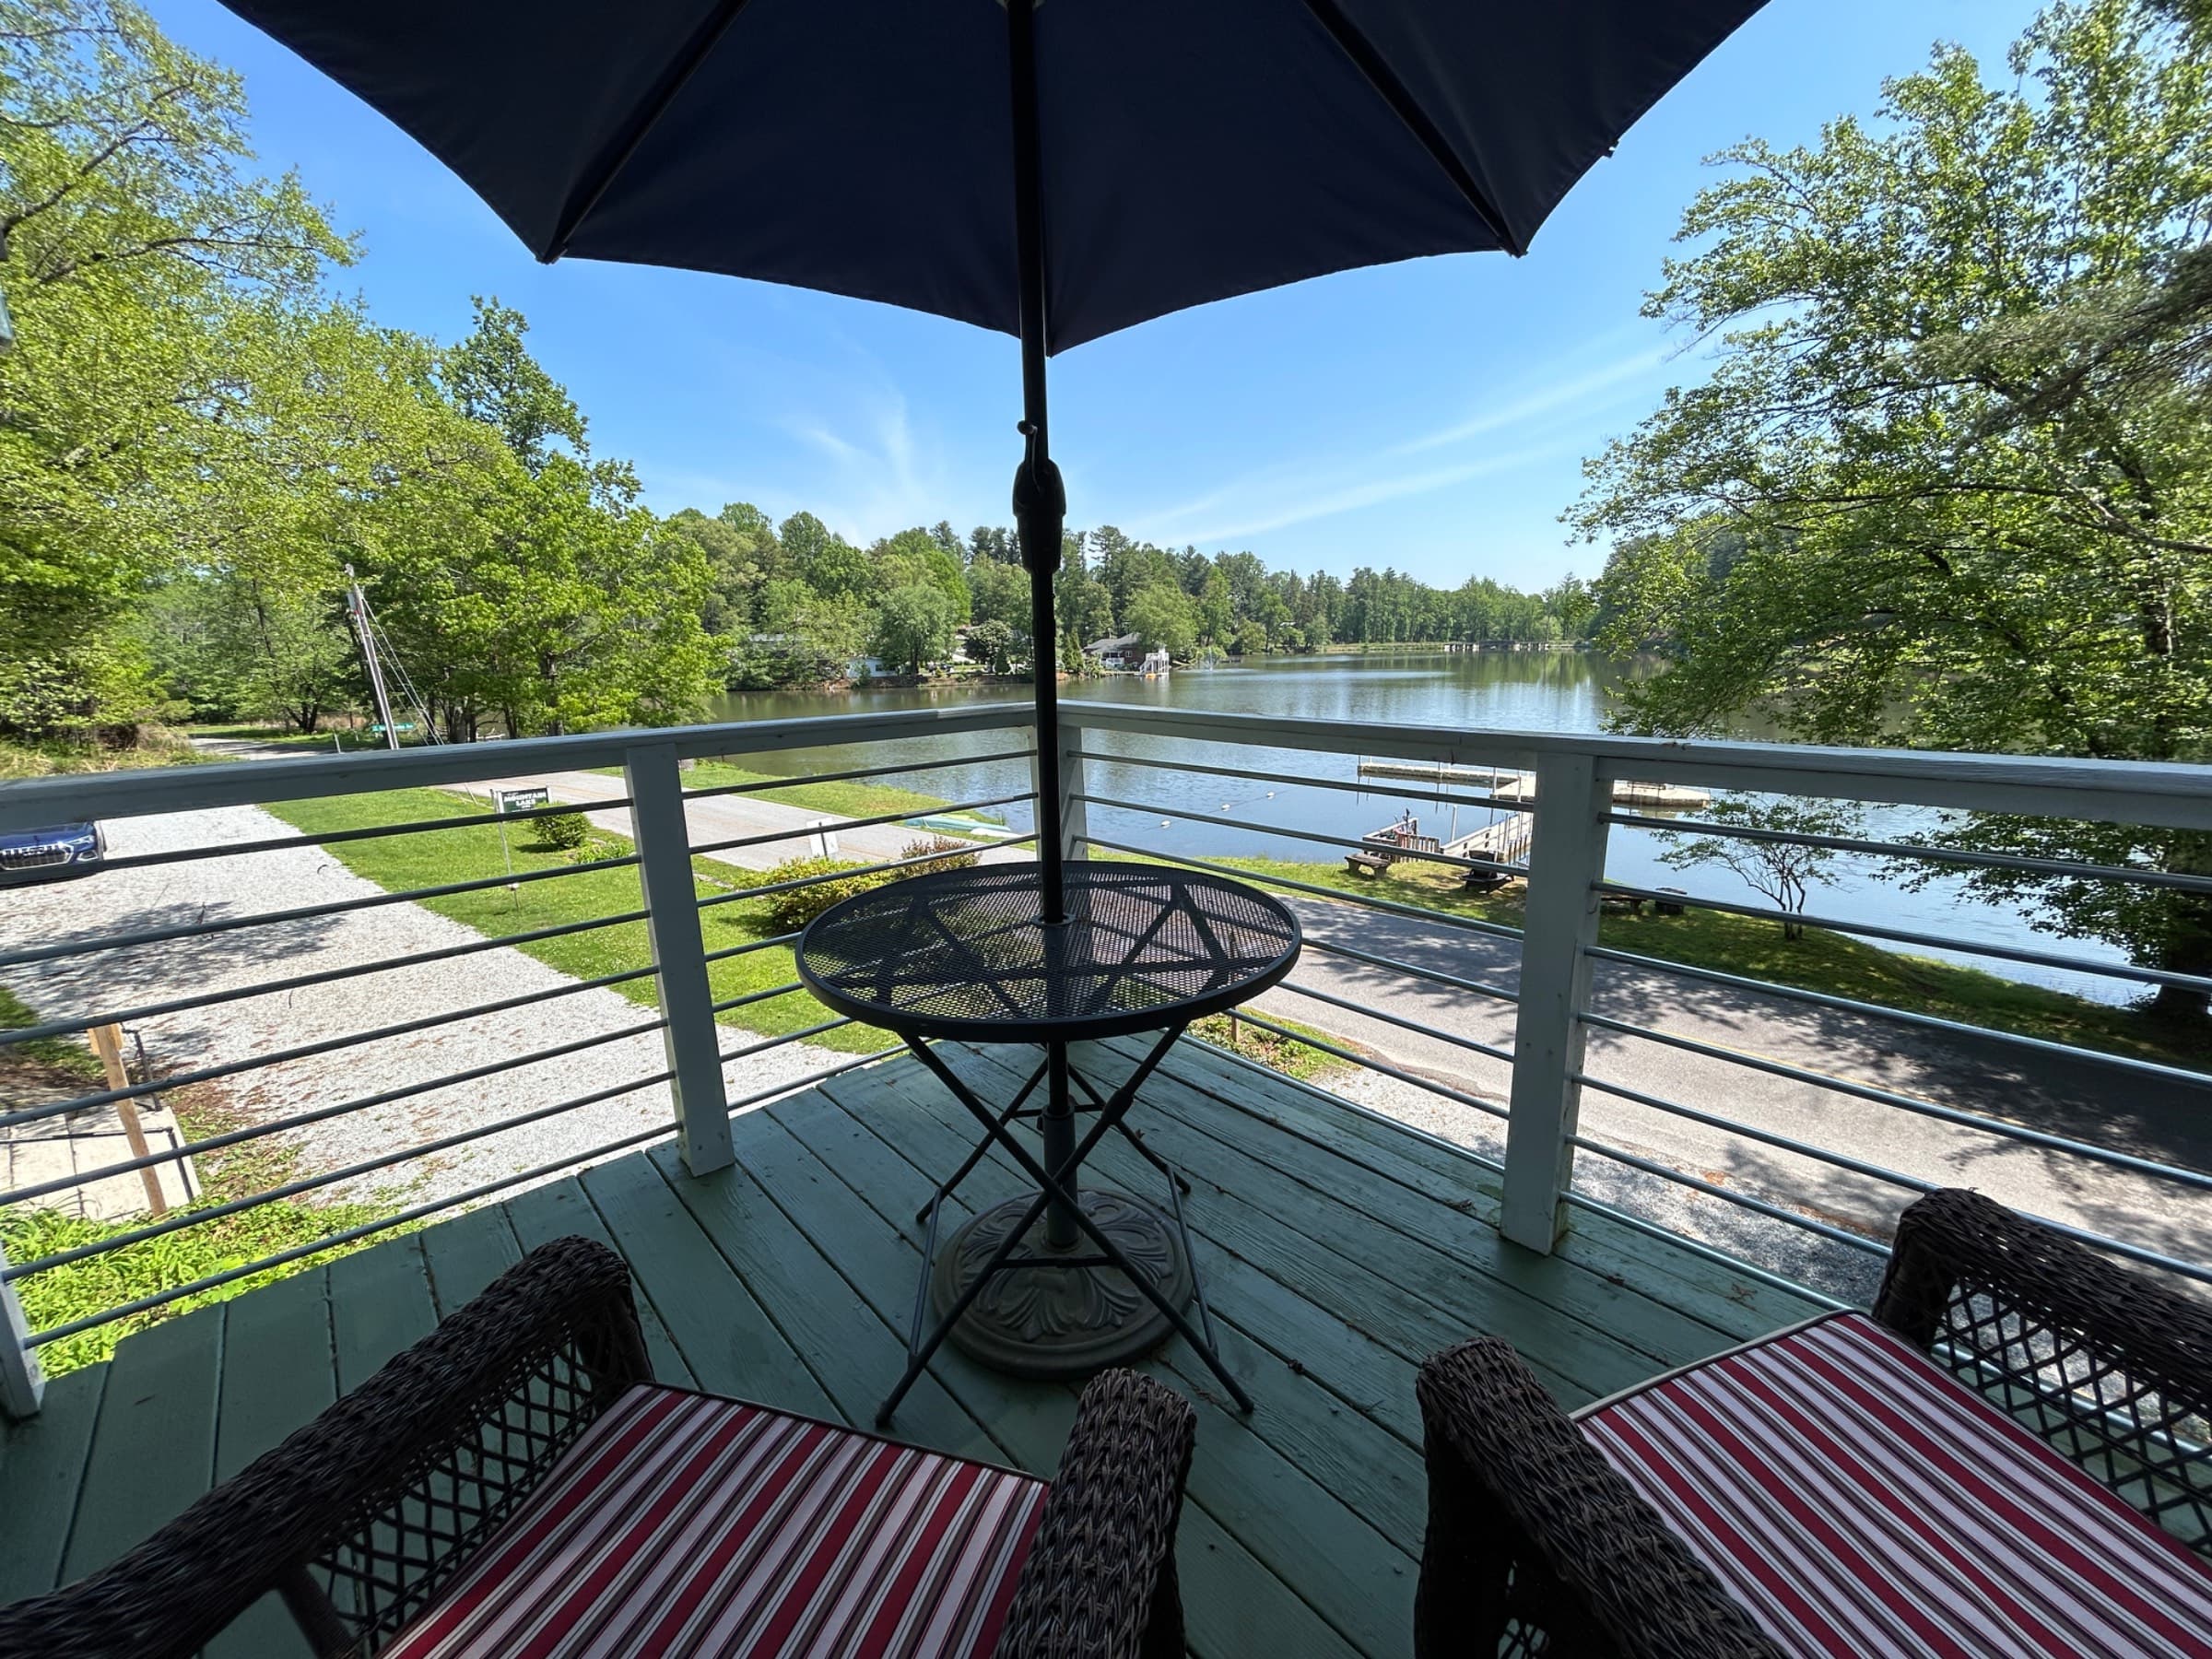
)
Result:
{"points": [[681, 1523], [1856, 1500]]}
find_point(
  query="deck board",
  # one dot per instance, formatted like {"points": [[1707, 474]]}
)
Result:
{"points": [[153, 1451], [290, 1376], [42, 1471], [1336, 1250]]}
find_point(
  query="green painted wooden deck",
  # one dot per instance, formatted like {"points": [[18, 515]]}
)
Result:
{"points": [[1336, 1250]]}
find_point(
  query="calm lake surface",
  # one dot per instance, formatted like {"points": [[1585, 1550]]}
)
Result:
{"points": [[1538, 692]]}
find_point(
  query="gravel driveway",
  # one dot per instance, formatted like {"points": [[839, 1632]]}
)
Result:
{"points": [[208, 889]]}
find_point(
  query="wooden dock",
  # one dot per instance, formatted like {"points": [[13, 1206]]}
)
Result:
{"points": [[1521, 786], [1505, 841]]}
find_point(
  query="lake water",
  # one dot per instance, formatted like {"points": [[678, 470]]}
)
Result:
{"points": [[1539, 691]]}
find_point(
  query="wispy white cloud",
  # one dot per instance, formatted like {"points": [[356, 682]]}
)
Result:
{"points": [[1551, 415], [883, 472]]}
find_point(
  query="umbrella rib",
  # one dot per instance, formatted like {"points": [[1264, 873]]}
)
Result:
{"points": [[1393, 92], [608, 165]]}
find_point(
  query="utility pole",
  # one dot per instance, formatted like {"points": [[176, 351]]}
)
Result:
{"points": [[357, 608]]}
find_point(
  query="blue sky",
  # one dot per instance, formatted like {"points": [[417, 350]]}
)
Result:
{"points": [[1433, 415]]}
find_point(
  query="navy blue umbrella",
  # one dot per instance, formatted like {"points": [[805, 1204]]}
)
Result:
{"points": [[1054, 171]]}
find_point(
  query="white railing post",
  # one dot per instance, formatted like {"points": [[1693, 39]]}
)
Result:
{"points": [[1566, 860], [22, 1381], [693, 1040], [1075, 822]]}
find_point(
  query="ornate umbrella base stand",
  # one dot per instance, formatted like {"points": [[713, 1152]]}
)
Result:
{"points": [[1051, 1313]]}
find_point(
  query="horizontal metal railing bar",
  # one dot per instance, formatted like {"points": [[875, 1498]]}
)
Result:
{"points": [[38, 800], [329, 838], [177, 1220], [1396, 1125], [2172, 793], [858, 870], [300, 1119], [1349, 844], [1959, 855], [420, 1211], [725, 954], [798, 1036], [1899, 935], [1929, 1023], [1473, 1045], [308, 1051], [752, 998], [54, 1028], [1382, 1066], [1381, 787], [306, 913], [834, 826], [895, 769], [1396, 965], [1387, 906], [1911, 1184], [1698, 1248], [1768, 1137], [1759, 1205], [1880, 1096]]}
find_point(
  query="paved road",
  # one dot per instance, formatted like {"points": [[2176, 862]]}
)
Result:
{"points": [[2170, 1123]]}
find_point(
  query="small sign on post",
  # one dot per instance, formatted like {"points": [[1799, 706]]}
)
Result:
{"points": [[505, 801]]}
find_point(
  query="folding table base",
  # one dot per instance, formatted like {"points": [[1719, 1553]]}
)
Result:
{"points": [[1004, 1291]]}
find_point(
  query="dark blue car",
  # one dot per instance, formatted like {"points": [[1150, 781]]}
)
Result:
{"points": [[53, 854]]}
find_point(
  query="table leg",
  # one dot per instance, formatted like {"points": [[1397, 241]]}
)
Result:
{"points": [[1058, 1126]]}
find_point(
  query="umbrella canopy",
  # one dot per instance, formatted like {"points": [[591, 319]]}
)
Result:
{"points": [[1190, 150], [1055, 171]]}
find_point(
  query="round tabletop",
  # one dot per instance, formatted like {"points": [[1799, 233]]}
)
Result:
{"points": [[966, 953]]}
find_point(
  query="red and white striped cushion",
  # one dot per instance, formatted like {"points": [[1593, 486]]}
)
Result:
{"points": [[1857, 1501], [681, 1523]]}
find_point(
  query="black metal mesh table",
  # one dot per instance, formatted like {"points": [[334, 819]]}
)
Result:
{"points": [[968, 955]]}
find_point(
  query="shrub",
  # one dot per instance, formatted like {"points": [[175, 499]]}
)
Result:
{"points": [[792, 910], [958, 856], [563, 831]]}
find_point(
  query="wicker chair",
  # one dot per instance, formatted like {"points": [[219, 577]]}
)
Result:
{"points": [[1624, 1529], [378, 1520]]}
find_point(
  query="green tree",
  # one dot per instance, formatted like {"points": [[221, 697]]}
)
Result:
{"points": [[915, 625], [1081, 604], [491, 377], [1783, 872], [1950, 481], [1164, 618], [1000, 592], [991, 645], [144, 263]]}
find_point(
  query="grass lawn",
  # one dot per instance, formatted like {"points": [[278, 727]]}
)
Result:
{"points": [[439, 856], [1821, 960]]}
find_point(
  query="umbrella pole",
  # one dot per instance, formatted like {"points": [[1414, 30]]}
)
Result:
{"points": [[1040, 501]]}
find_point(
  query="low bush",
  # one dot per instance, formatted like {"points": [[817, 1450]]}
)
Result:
{"points": [[958, 856], [563, 831], [792, 910]]}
